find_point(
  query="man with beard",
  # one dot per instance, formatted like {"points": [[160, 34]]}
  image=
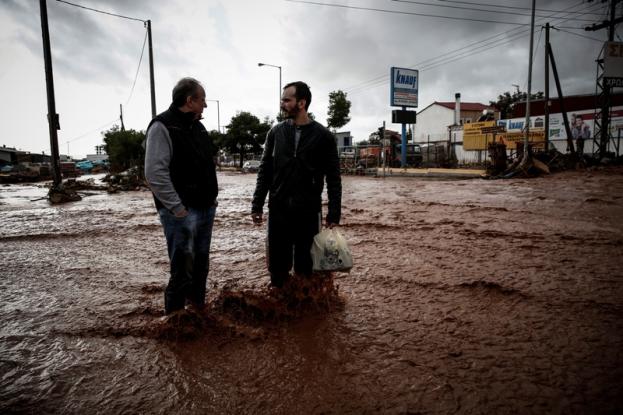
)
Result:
{"points": [[180, 170], [299, 154]]}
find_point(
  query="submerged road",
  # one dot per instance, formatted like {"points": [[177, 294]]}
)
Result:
{"points": [[467, 296]]}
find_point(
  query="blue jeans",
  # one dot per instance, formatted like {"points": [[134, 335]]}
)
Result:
{"points": [[188, 244]]}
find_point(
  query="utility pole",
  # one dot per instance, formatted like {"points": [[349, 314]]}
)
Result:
{"points": [[146, 24], [53, 121], [562, 100], [605, 95], [121, 117], [546, 102], [151, 70], [382, 134], [527, 125], [218, 113]]}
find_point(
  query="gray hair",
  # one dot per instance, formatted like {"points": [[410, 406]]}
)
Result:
{"points": [[185, 87]]}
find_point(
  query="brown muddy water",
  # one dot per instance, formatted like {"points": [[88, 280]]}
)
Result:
{"points": [[467, 296]]}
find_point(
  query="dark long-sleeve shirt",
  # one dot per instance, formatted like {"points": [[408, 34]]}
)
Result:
{"points": [[293, 175]]}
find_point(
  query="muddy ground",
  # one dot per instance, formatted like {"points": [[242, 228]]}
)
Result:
{"points": [[467, 296]]}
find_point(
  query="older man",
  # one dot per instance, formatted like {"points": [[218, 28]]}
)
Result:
{"points": [[180, 170]]}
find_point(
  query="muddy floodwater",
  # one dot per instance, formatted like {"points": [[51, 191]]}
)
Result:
{"points": [[467, 296]]}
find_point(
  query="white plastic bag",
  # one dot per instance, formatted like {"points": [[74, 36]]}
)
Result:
{"points": [[330, 252]]}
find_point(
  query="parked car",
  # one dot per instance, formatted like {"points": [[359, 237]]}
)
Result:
{"points": [[85, 165], [251, 166]]}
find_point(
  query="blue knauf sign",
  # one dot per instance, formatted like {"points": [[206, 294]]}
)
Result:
{"points": [[403, 87]]}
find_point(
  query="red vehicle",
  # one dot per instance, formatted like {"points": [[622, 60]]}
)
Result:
{"points": [[68, 169], [371, 156]]}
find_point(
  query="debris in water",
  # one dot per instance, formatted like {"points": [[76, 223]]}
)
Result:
{"points": [[60, 194]]}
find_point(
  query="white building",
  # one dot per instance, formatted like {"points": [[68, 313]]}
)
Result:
{"points": [[344, 139], [434, 120]]}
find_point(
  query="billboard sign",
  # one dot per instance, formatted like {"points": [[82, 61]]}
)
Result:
{"points": [[476, 136], [613, 63], [403, 87]]}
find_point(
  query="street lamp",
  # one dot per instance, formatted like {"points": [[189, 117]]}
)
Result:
{"points": [[218, 112], [279, 94]]}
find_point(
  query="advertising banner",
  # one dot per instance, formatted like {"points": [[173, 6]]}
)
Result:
{"points": [[476, 136], [404, 87], [613, 64], [582, 123]]}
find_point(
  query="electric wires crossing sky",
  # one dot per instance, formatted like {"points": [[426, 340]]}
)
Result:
{"points": [[85, 135], [486, 44]]}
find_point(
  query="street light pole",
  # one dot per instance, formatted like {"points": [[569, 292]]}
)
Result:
{"points": [[279, 92], [218, 112]]}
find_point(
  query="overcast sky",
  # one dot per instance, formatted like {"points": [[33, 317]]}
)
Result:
{"points": [[95, 57]]}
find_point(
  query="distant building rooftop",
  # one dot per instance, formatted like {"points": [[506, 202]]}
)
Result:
{"points": [[9, 149], [571, 103], [465, 106]]}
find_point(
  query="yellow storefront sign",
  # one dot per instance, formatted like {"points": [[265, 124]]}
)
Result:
{"points": [[475, 128], [537, 138], [475, 140]]}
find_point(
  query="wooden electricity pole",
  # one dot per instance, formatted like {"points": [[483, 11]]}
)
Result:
{"points": [[53, 121]]}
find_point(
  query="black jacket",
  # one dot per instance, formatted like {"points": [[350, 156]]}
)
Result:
{"points": [[295, 179], [192, 168]]}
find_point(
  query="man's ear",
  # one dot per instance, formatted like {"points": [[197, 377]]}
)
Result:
{"points": [[301, 103]]}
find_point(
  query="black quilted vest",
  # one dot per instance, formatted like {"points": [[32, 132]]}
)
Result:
{"points": [[192, 167]]}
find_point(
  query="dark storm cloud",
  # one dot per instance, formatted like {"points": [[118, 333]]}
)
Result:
{"points": [[452, 55], [86, 46]]}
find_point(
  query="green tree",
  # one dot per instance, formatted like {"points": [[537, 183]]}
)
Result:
{"points": [[218, 139], [245, 134], [506, 102], [339, 110], [124, 149]]}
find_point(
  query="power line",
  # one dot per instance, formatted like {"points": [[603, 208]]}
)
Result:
{"points": [[577, 34], [439, 60], [137, 69], [505, 7], [476, 9], [480, 49], [343, 6], [147, 24], [538, 44], [90, 132], [467, 49], [471, 50], [101, 11]]}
